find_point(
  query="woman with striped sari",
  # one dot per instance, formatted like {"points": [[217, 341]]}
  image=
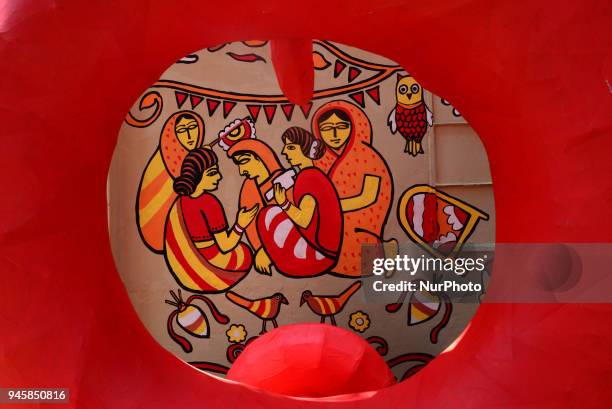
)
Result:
{"points": [[182, 132], [204, 254]]}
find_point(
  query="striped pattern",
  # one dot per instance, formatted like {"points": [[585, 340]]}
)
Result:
{"points": [[238, 259], [190, 268], [264, 308], [435, 220], [156, 193], [193, 320], [291, 253], [155, 198], [423, 306], [327, 306]]}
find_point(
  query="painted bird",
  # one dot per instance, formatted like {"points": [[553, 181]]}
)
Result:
{"points": [[411, 116], [265, 308], [329, 305]]}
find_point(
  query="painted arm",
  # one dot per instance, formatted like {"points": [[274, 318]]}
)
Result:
{"points": [[229, 239], [302, 213], [367, 196]]}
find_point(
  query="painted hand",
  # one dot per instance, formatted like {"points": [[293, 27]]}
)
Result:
{"points": [[263, 264], [246, 216], [280, 194]]}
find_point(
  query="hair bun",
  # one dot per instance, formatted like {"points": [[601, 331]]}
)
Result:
{"points": [[309, 145], [192, 168], [182, 187]]}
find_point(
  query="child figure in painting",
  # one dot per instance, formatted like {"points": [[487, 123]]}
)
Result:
{"points": [[204, 216], [302, 235]]}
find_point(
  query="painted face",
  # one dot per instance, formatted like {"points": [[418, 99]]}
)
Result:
{"points": [[250, 166], [335, 131], [408, 91], [294, 154], [210, 181], [187, 132]]}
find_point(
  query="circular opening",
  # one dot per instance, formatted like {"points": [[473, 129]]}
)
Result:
{"points": [[233, 211]]}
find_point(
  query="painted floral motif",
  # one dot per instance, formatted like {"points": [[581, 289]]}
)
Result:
{"points": [[236, 333], [359, 321]]}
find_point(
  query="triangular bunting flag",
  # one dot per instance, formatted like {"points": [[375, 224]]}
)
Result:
{"points": [[269, 110], [195, 100], [358, 98], [339, 66], [306, 109], [288, 110], [374, 93], [353, 73], [254, 111], [181, 97], [212, 106], [227, 108]]}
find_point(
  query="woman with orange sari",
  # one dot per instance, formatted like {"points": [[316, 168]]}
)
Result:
{"points": [[182, 132], [359, 174], [258, 163]]}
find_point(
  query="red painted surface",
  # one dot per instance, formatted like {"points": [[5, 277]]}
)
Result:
{"points": [[532, 78], [311, 360]]}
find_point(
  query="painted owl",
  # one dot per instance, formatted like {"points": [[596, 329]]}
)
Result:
{"points": [[410, 116]]}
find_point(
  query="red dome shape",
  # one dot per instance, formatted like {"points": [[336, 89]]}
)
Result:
{"points": [[311, 360]]}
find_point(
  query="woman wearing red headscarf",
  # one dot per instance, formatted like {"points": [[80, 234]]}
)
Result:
{"points": [[359, 174]]}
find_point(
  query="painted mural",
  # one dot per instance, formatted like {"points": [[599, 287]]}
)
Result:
{"points": [[251, 212]]}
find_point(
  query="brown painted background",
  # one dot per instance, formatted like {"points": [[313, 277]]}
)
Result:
{"points": [[454, 161]]}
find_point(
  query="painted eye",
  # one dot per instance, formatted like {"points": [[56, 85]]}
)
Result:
{"points": [[402, 89], [414, 88]]}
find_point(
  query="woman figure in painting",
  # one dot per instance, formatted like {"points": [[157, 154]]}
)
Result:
{"points": [[302, 235], [197, 224], [260, 167], [360, 176], [182, 132]]}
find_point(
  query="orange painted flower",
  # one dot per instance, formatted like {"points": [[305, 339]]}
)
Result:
{"points": [[360, 321], [236, 333]]}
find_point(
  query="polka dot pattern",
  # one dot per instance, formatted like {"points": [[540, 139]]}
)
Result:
{"points": [[348, 180], [172, 151]]}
